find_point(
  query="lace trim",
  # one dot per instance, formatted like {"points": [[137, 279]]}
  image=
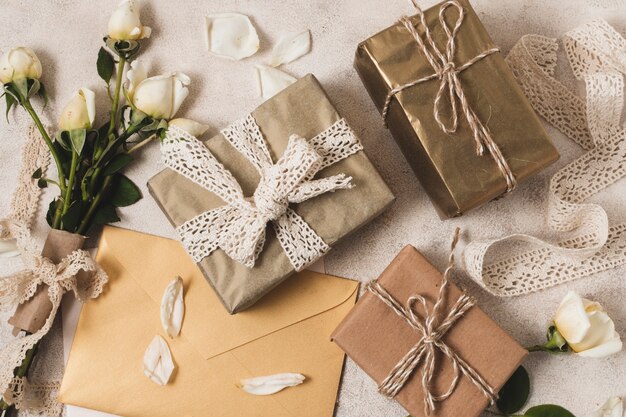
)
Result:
{"points": [[239, 227], [597, 55]]}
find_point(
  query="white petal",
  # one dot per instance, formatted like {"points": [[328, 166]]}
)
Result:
{"points": [[173, 307], [607, 348], [231, 35], [136, 74], [571, 318], [8, 248], [271, 81], [291, 46], [90, 101], [157, 361], [613, 407], [271, 384], [180, 91], [190, 126]]}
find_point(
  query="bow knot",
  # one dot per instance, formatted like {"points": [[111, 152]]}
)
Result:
{"points": [[239, 227]]}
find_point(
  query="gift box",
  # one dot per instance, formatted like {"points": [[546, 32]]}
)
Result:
{"points": [[497, 141], [377, 336], [317, 222]]}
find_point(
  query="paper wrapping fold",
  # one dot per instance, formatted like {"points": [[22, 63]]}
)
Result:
{"points": [[303, 109], [31, 315], [452, 174], [376, 339]]}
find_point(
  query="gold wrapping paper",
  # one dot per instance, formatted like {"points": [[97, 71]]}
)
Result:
{"points": [[452, 174], [304, 109]]}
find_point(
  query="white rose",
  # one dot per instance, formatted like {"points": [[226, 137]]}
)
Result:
{"points": [[190, 126], [19, 63], [613, 407], [586, 327], [125, 24], [79, 112], [159, 97]]}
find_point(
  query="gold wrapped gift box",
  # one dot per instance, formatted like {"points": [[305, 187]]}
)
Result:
{"points": [[303, 109], [447, 165]]}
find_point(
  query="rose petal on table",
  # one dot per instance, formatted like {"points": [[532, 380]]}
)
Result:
{"points": [[231, 35], [271, 81], [157, 361], [291, 46], [271, 384], [613, 407], [8, 248], [173, 307]]}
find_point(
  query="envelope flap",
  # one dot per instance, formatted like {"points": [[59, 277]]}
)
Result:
{"points": [[218, 332]]}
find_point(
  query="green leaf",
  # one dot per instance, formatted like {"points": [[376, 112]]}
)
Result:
{"points": [[10, 100], [33, 87], [42, 183], [77, 137], [105, 65], [125, 192], [118, 162], [548, 410], [71, 219], [105, 215], [514, 393], [43, 93], [63, 139], [52, 210], [37, 174]]}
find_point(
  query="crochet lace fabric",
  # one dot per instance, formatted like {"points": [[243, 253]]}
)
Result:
{"points": [[597, 55], [239, 227]]}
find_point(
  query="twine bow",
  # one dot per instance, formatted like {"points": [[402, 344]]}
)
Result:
{"points": [[424, 351], [21, 286], [239, 227], [450, 84]]}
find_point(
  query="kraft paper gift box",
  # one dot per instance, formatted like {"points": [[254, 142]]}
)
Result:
{"points": [[303, 109], [376, 338], [288, 331], [446, 164]]}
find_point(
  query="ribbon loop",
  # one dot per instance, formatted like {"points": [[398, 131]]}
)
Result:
{"points": [[239, 227], [447, 72], [432, 331]]}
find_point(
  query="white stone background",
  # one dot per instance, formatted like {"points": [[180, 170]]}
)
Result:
{"points": [[67, 34]]}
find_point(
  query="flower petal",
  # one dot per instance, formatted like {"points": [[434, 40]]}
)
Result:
{"points": [[157, 361], [8, 248], [90, 101], [231, 35], [613, 407], [173, 307], [271, 384], [271, 81], [135, 75], [181, 81], [190, 126], [291, 46], [571, 318]]}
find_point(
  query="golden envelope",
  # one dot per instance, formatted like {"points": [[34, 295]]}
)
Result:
{"points": [[288, 331]]}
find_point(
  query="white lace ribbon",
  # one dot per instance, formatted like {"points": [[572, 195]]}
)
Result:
{"points": [[597, 55], [239, 227]]}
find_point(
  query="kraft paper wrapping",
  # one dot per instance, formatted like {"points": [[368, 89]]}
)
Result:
{"points": [[31, 315], [303, 109], [452, 174], [376, 338]]}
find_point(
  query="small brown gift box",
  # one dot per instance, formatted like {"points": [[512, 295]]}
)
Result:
{"points": [[376, 338], [447, 165], [304, 109]]}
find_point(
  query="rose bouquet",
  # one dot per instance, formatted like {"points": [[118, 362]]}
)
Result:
{"points": [[90, 157]]}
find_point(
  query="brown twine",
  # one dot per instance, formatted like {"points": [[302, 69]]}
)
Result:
{"points": [[448, 73], [432, 332]]}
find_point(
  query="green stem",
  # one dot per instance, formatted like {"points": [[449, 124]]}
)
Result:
{"points": [[29, 108], [68, 190], [536, 348], [84, 224], [116, 96], [141, 144]]}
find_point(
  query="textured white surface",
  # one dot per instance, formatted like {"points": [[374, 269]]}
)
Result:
{"points": [[66, 34]]}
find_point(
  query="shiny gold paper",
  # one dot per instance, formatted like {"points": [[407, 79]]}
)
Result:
{"points": [[288, 331], [452, 174], [303, 109]]}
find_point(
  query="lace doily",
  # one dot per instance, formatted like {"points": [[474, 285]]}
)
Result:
{"points": [[239, 227], [597, 55]]}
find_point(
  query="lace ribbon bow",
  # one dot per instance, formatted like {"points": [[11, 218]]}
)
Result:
{"points": [[447, 72], [21, 286], [432, 331], [597, 56], [239, 227]]}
